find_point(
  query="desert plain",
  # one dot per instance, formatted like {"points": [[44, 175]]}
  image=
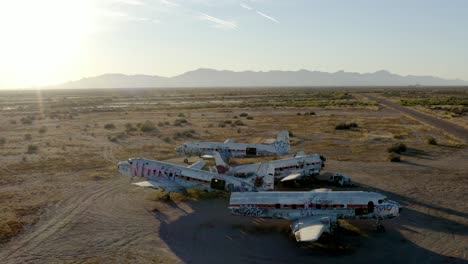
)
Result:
{"points": [[62, 199]]}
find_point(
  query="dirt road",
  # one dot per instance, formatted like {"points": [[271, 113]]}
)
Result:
{"points": [[450, 128]]}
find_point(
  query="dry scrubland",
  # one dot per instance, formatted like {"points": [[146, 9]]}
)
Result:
{"points": [[62, 200]]}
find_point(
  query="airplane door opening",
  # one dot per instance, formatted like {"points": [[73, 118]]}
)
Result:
{"points": [[218, 184], [370, 207], [251, 151]]}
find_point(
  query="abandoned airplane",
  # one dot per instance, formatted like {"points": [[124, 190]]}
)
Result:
{"points": [[231, 149], [316, 211]]}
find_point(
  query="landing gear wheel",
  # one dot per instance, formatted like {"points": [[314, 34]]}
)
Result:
{"points": [[380, 228], [166, 197]]}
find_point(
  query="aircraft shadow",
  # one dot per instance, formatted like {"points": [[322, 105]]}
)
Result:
{"points": [[211, 235]]}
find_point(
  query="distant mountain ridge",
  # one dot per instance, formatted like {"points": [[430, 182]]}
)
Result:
{"points": [[216, 78]]}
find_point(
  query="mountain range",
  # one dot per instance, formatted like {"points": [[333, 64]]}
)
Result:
{"points": [[215, 78]]}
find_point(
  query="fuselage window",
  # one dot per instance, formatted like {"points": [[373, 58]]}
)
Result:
{"points": [[277, 206], [318, 206], [294, 206]]}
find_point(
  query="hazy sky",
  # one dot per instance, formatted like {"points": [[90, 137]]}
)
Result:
{"points": [[53, 41]]}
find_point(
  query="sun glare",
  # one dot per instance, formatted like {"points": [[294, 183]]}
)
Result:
{"points": [[40, 38]]}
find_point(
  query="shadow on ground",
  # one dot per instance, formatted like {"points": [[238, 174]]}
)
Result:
{"points": [[211, 235]]}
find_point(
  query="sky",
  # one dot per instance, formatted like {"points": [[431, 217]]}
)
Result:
{"points": [[54, 41]]}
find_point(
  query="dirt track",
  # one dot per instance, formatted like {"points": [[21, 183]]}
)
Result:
{"points": [[450, 128]]}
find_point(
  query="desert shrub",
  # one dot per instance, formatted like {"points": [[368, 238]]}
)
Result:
{"points": [[185, 134], [28, 120], [118, 137], [244, 115], [397, 148], [250, 117], [181, 122], [221, 124], [160, 124], [181, 115], [299, 114], [42, 130], [13, 122], [235, 117], [109, 126], [291, 134], [166, 123], [167, 140], [2, 141], [431, 141], [227, 122], [130, 128], [148, 127], [238, 123], [27, 137], [32, 149], [394, 157], [343, 126]]}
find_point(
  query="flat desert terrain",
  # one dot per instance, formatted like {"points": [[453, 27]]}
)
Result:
{"points": [[62, 199]]}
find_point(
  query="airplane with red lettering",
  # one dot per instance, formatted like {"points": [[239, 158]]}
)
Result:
{"points": [[317, 211], [231, 149], [176, 178], [289, 169]]}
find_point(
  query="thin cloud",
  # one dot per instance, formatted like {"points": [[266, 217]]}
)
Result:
{"points": [[267, 16], [219, 23], [131, 2], [169, 3], [246, 6]]}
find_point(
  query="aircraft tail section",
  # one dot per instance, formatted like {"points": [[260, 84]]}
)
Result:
{"points": [[282, 144], [221, 165], [264, 177]]}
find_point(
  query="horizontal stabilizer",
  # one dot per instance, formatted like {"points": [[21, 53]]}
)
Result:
{"points": [[311, 228], [198, 165], [162, 186], [147, 184], [291, 177], [300, 154]]}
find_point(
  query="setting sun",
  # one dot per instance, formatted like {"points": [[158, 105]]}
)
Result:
{"points": [[40, 38]]}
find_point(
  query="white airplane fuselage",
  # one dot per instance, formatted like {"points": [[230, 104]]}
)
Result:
{"points": [[296, 205], [171, 175], [228, 150], [231, 149], [308, 165]]}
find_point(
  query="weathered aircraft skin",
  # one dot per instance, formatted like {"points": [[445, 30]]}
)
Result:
{"points": [[316, 211], [297, 167], [230, 149], [173, 177]]}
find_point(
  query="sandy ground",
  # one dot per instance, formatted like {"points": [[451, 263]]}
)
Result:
{"points": [[87, 213], [113, 221]]}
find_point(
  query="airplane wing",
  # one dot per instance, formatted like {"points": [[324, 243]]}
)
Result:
{"points": [[291, 177], [230, 141], [310, 228], [157, 185], [299, 154], [198, 165]]}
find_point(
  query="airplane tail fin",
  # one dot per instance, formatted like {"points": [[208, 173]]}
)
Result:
{"points": [[221, 166], [264, 177], [282, 144]]}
